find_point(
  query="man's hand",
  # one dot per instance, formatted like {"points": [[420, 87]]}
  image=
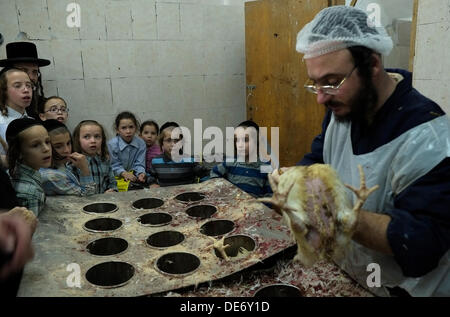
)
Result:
{"points": [[15, 238]]}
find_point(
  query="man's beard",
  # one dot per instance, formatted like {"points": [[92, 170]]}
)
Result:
{"points": [[362, 105]]}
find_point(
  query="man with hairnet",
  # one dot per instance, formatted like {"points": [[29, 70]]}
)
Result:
{"points": [[376, 119]]}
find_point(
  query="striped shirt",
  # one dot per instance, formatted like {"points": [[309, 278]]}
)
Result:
{"points": [[63, 181], [101, 173], [166, 172], [246, 176], [28, 186]]}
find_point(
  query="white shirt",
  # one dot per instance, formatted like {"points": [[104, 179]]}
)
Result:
{"points": [[5, 121]]}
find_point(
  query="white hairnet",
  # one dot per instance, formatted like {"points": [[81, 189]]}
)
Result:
{"points": [[339, 27]]}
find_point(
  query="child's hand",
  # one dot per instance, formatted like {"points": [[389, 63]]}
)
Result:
{"points": [[127, 176], [154, 186], [141, 178], [110, 190], [80, 161]]}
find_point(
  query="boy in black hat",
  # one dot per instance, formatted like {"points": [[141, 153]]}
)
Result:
{"points": [[23, 55]]}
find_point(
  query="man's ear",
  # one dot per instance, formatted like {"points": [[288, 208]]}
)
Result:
{"points": [[376, 64]]}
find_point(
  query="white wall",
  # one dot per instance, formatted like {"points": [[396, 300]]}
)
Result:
{"points": [[169, 60], [432, 59]]}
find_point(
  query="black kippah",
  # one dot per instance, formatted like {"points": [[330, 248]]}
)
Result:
{"points": [[169, 124], [18, 125], [52, 124]]}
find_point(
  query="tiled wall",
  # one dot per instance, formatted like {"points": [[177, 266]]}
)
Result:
{"points": [[167, 60], [432, 58]]}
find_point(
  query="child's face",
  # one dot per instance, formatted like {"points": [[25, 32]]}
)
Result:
{"points": [[169, 143], [243, 137], [19, 91], [62, 145], [149, 134], [36, 150], [126, 129], [91, 139], [55, 109]]}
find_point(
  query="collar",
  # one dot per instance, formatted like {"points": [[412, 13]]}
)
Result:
{"points": [[27, 171], [122, 144], [12, 113]]}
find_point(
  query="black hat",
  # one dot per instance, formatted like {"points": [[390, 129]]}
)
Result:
{"points": [[22, 52], [18, 125], [52, 124], [169, 124]]}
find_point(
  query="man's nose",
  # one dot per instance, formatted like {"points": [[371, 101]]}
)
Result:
{"points": [[323, 98]]}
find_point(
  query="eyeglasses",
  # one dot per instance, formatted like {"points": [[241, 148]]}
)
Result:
{"points": [[327, 89], [56, 110], [171, 140]]}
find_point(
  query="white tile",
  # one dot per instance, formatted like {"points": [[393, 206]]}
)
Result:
{"points": [[168, 21], [432, 11], [93, 20], [50, 88], [214, 55], [10, 24], [146, 55], [192, 25], [428, 51], [121, 58], [74, 94], [67, 57], [98, 96], [234, 58], [225, 23], [33, 18], [44, 49], [118, 20], [144, 19], [215, 92], [95, 59], [139, 94], [58, 20], [172, 92], [193, 92], [170, 62]]}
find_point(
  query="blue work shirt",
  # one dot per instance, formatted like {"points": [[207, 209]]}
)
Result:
{"points": [[127, 156]]}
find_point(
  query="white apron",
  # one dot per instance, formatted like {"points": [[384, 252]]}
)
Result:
{"points": [[393, 166]]}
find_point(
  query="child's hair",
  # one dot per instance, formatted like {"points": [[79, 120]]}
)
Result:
{"points": [[54, 128], [150, 123], [166, 125], [248, 124], [4, 87], [76, 138], [125, 115], [15, 128], [41, 105]]}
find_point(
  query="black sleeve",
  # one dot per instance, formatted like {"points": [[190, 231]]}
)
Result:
{"points": [[8, 194], [316, 154], [419, 232]]}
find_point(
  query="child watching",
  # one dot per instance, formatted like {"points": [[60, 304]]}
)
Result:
{"points": [[244, 171], [53, 107], [16, 91], [127, 150], [29, 149], [167, 172], [149, 133], [89, 139], [60, 178]]}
